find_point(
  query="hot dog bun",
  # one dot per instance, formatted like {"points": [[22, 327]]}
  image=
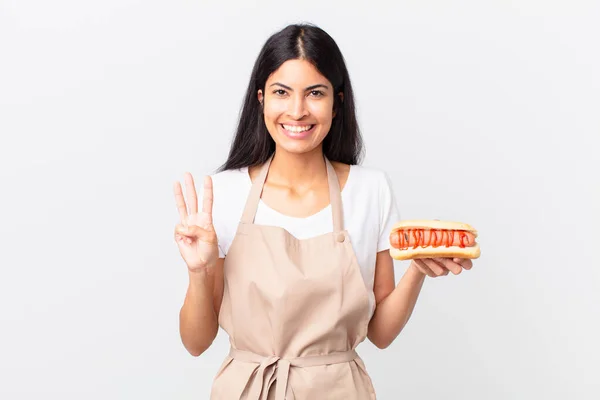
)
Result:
{"points": [[433, 252], [435, 239]]}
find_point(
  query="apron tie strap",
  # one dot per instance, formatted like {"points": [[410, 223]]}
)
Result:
{"points": [[283, 366]]}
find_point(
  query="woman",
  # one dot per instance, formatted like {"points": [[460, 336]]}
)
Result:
{"points": [[292, 259]]}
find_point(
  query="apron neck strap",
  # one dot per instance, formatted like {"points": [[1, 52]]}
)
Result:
{"points": [[335, 197], [255, 193]]}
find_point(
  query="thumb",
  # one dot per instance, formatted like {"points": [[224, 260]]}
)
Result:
{"points": [[196, 232], [187, 230]]}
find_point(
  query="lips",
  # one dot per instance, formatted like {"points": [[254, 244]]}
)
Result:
{"points": [[297, 131]]}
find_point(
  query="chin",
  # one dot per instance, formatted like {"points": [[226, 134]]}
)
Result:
{"points": [[297, 148]]}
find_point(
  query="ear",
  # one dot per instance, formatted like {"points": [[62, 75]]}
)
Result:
{"points": [[260, 97]]}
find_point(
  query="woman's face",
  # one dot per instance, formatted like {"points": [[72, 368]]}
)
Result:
{"points": [[298, 106]]}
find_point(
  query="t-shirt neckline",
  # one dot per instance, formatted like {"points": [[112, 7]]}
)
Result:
{"points": [[292, 218]]}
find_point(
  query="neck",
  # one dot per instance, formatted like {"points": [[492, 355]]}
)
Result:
{"points": [[289, 169]]}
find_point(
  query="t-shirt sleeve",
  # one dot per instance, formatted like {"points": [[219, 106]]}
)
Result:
{"points": [[388, 212]]}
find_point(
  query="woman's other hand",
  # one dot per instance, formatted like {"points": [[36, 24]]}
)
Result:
{"points": [[434, 267]]}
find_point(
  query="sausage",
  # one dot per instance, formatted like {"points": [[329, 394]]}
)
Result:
{"points": [[405, 238]]}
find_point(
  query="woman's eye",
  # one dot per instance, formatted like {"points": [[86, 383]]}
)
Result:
{"points": [[279, 92], [316, 93]]}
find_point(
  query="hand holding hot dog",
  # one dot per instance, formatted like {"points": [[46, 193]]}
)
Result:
{"points": [[434, 267], [435, 247], [195, 234]]}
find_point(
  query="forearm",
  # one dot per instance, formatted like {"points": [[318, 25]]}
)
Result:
{"points": [[393, 312], [198, 322]]}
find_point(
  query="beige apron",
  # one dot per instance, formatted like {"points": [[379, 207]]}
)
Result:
{"points": [[294, 309]]}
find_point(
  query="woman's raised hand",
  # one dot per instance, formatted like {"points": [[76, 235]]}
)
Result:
{"points": [[195, 234]]}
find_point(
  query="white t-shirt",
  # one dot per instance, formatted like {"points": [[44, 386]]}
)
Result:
{"points": [[369, 207]]}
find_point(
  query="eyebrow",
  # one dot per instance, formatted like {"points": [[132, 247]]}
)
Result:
{"points": [[308, 88]]}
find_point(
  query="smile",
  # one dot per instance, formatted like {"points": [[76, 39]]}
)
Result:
{"points": [[297, 128], [297, 131]]}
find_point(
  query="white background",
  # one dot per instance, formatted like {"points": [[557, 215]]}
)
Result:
{"points": [[483, 112]]}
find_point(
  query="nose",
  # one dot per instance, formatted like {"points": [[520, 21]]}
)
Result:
{"points": [[297, 107]]}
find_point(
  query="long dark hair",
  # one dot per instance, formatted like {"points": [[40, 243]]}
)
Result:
{"points": [[252, 144]]}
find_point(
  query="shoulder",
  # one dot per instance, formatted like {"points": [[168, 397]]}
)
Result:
{"points": [[371, 188], [230, 181], [223, 178], [373, 180], [361, 177], [230, 189]]}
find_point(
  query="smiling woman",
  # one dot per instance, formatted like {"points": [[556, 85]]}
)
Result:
{"points": [[299, 78], [293, 261]]}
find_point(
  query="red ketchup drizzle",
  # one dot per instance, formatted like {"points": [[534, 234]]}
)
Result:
{"points": [[450, 238], [463, 237], [436, 238]]}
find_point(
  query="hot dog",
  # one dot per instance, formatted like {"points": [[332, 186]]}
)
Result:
{"points": [[433, 238]]}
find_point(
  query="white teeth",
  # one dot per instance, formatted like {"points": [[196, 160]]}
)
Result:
{"points": [[297, 128]]}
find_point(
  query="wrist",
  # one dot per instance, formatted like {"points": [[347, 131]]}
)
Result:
{"points": [[415, 271], [200, 275], [202, 270]]}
